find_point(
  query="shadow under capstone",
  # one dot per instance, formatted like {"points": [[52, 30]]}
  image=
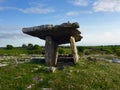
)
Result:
{"points": [[63, 60]]}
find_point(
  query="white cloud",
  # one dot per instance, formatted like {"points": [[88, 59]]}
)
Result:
{"points": [[76, 13], [101, 38], [17, 39], [7, 8], [79, 2], [8, 28], [107, 6], [37, 7], [12, 35], [37, 10], [72, 13], [38, 4], [34, 7]]}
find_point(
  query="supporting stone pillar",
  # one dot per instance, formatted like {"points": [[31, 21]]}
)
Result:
{"points": [[74, 49], [51, 52]]}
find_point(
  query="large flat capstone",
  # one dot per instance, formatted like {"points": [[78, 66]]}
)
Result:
{"points": [[59, 33]]}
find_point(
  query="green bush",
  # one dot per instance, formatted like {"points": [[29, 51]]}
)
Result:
{"points": [[36, 47], [9, 47], [81, 49], [24, 46], [30, 46], [61, 51], [118, 52], [87, 52]]}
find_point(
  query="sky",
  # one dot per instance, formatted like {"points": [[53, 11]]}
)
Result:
{"points": [[99, 20]]}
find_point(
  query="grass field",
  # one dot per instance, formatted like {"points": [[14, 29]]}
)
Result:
{"points": [[83, 76], [98, 74]]}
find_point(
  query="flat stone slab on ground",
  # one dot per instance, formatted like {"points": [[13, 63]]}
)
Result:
{"points": [[2, 65]]}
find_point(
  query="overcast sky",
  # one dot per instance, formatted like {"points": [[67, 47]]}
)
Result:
{"points": [[99, 19]]}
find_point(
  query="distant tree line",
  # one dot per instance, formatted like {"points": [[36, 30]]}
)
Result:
{"points": [[33, 49], [110, 49], [30, 48], [9, 47], [82, 50]]}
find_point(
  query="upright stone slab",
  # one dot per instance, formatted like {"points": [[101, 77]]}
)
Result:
{"points": [[74, 49], [51, 54]]}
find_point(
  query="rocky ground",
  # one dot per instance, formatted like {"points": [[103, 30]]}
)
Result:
{"points": [[92, 72], [8, 59]]}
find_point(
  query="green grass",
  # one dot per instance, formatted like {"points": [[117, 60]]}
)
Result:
{"points": [[18, 51], [15, 51], [83, 76]]}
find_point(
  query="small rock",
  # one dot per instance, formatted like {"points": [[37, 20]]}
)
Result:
{"points": [[30, 86], [69, 74], [37, 79], [41, 80], [2, 65], [35, 69], [46, 89], [109, 61], [18, 77], [16, 61], [78, 71], [32, 71], [70, 71], [50, 69], [116, 61]]}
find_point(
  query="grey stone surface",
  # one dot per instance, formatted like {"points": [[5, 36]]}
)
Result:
{"points": [[51, 54], [116, 61], [37, 79], [59, 33], [30, 86], [50, 69], [2, 65], [74, 49], [46, 88]]}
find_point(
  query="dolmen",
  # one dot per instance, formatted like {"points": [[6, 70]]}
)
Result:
{"points": [[55, 35]]}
